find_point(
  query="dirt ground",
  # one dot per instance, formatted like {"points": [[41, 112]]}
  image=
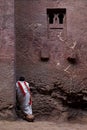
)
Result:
{"points": [[40, 125]]}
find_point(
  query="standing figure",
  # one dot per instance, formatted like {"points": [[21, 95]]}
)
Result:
{"points": [[24, 98]]}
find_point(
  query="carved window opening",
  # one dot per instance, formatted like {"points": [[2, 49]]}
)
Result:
{"points": [[56, 23], [56, 16]]}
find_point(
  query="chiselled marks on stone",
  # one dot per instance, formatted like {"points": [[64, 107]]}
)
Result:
{"points": [[1, 101], [34, 28], [34, 0], [60, 36], [58, 1], [67, 69], [74, 44], [58, 64], [34, 25]]}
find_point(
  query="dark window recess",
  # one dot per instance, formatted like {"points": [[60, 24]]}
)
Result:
{"points": [[61, 16], [51, 16], [56, 12]]}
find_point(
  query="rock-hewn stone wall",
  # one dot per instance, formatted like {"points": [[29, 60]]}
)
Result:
{"points": [[52, 60], [7, 84]]}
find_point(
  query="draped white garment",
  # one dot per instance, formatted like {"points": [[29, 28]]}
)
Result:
{"points": [[24, 97]]}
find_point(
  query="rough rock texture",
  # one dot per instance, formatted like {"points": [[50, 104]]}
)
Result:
{"points": [[53, 57], [7, 90]]}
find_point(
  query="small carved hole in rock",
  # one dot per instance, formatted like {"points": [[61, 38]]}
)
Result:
{"points": [[44, 54], [44, 59], [72, 60]]}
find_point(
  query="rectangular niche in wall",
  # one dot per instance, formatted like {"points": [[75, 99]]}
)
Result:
{"points": [[56, 19]]}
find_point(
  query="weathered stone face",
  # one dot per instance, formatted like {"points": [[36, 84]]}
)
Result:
{"points": [[7, 74], [51, 53]]}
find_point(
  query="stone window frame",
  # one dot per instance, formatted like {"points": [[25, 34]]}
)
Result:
{"points": [[54, 18]]}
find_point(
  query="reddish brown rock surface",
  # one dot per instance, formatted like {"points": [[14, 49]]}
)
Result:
{"points": [[7, 73], [52, 56], [50, 53]]}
